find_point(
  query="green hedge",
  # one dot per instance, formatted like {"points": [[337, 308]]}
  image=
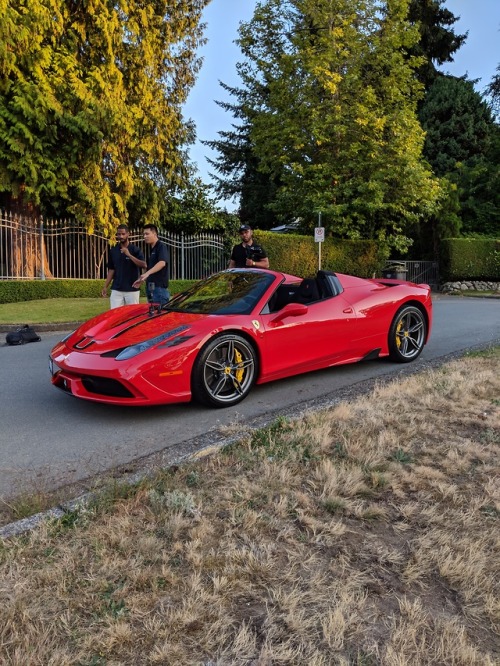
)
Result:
{"points": [[16, 291], [470, 259], [298, 255]]}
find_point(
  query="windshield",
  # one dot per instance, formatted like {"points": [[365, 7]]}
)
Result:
{"points": [[231, 292]]}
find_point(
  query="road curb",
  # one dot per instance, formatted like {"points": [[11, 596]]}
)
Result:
{"points": [[24, 525]]}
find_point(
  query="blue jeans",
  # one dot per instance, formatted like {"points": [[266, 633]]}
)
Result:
{"points": [[157, 294]]}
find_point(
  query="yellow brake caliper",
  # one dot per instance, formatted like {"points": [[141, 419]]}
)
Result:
{"points": [[398, 331], [239, 360]]}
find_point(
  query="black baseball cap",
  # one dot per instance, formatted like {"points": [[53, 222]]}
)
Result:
{"points": [[245, 227]]}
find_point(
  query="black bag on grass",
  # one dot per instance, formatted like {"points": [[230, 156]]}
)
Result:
{"points": [[22, 335]]}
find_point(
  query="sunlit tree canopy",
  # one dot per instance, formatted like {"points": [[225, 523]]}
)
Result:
{"points": [[90, 102]]}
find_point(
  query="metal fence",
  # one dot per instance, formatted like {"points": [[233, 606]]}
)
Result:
{"points": [[34, 248], [426, 272]]}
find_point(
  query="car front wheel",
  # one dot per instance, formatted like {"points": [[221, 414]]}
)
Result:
{"points": [[224, 372], [407, 334]]}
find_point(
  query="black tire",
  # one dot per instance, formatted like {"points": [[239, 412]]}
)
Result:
{"points": [[224, 371], [407, 334]]}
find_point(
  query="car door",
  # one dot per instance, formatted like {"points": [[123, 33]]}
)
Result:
{"points": [[307, 337]]}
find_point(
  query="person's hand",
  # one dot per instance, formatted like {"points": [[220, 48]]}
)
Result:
{"points": [[125, 251], [104, 292], [250, 262], [138, 282]]}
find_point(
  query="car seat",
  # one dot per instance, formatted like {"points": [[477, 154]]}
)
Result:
{"points": [[308, 291]]}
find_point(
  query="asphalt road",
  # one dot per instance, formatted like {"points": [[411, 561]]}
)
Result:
{"points": [[48, 439]]}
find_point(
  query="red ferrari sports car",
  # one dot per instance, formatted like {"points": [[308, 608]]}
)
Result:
{"points": [[237, 328]]}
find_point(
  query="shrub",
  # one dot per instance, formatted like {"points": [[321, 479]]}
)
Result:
{"points": [[16, 291], [470, 259], [298, 255]]}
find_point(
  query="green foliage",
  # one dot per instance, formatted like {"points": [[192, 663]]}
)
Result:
{"points": [[91, 99], [463, 144], [478, 188], [298, 255], [458, 124], [238, 168], [193, 211], [470, 259], [493, 90], [437, 42], [190, 209], [17, 291], [444, 223], [328, 114]]}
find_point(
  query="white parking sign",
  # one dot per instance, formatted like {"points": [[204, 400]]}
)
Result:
{"points": [[319, 234]]}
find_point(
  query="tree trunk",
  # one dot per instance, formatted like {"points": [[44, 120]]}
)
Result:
{"points": [[28, 254], [26, 251]]}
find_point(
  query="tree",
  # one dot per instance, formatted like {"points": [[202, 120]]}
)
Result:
{"points": [[493, 90], [238, 167], [90, 102], [444, 222], [478, 183], [437, 42], [192, 210], [330, 105], [463, 144], [457, 122]]}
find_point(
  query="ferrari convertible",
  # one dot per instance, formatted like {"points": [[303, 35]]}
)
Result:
{"points": [[238, 328]]}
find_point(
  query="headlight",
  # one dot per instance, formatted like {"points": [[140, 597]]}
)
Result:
{"points": [[134, 350]]}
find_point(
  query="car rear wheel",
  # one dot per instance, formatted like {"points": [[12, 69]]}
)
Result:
{"points": [[407, 334], [224, 372]]}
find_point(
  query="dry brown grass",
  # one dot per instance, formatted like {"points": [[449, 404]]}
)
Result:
{"points": [[367, 534]]}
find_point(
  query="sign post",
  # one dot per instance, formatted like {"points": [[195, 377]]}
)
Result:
{"points": [[319, 237]]}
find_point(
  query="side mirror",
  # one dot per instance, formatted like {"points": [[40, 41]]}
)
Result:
{"points": [[290, 310]]}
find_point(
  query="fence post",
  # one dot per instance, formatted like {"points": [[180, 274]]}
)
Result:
{"points": [[42, 263], [182, 255]]}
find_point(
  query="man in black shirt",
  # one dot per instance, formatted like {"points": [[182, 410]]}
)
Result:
{"points": [[248, 254], [125, 261], [156, 275]]}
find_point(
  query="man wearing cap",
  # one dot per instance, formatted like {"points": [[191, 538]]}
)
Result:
{"points": [[248, 254]]}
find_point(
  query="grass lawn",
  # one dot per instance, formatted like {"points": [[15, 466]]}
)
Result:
{"points": [[53, 310], [364, 534]]}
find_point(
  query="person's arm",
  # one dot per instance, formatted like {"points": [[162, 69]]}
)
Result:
{"points": [[157, 267], [263, 263], [232, 263], [109, 280], [138, 261]]}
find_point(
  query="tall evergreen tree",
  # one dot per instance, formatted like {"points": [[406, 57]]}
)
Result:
{"points": [[330, 104], [437, 41], [457, 122], [493, 90], [237, 166], [463, 144], [90, 102]]}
